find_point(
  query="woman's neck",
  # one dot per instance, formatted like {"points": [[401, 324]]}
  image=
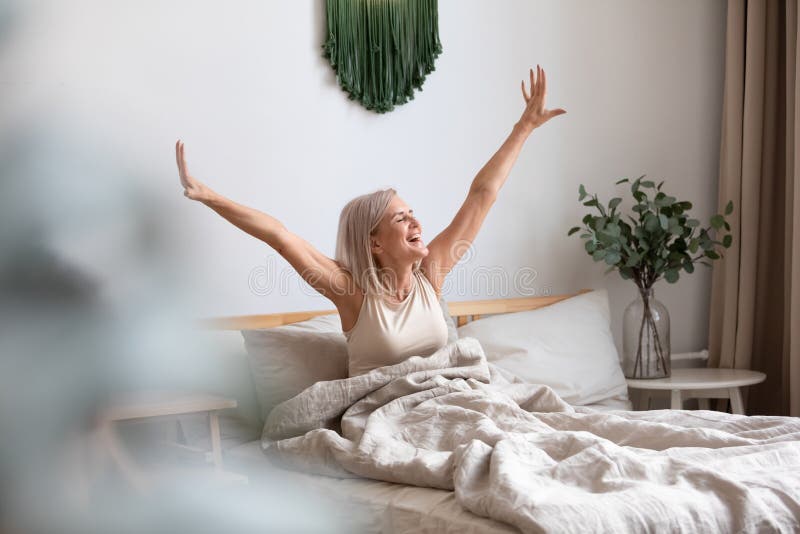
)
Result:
{"points": [[398, 280]]}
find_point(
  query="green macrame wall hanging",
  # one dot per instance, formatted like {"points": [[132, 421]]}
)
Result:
{"points": [[381, 50]]}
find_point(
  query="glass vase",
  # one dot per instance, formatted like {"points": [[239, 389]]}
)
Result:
{"points": [[645, 331]]}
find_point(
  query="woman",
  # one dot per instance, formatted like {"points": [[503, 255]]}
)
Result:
{"points": [[385, 281]]}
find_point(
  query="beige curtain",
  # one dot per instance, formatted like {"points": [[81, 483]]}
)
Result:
{"points": [[755, 294]]}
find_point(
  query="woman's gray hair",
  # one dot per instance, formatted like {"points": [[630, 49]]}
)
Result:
{"points": [[357, 224]]}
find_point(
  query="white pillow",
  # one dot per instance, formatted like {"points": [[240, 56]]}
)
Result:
{"points": [[285, 360], [567, 346]]}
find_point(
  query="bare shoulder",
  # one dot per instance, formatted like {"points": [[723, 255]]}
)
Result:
{"points": [[432, 274]]}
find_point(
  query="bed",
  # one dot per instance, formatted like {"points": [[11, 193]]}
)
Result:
{"points": [[555, 357], [377, 506]]}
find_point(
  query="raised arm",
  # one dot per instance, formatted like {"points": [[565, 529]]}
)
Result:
{"points": [[447, 248], [321, 272]]}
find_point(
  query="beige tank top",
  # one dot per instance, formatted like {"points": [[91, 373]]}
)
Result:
{"points": [[387, 333]]}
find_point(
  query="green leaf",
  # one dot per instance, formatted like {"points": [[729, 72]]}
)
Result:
{"points": [[727, 241], [605, 239], [587, 219], [590, 246], [727, 226], [614, 202], [633, 260], [598, 254], [651, 223], [711, 254], [612, 257], [675, 256], [659, 185], [573, 230], [691, 223], [729, 207], [581, 193], [689, 266], [592, 202], [679, 245], [648, 183], [663, 221], [717, 221], [671, 276], [621, 181], [693, 245], [600, 224]]}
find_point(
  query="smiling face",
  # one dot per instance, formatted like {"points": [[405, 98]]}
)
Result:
{"points": [[398, 237]]}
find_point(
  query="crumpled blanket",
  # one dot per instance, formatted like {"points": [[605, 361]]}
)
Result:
{"points": [[517, 453]]}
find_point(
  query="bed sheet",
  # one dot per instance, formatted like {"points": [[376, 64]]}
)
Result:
{"points": [[366, 505], [376, 506]]}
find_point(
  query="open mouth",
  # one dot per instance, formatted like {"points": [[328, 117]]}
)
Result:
{"points": [[415, 238]]}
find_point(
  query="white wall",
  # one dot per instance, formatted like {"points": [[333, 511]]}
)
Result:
{"points": [[95, 93]]}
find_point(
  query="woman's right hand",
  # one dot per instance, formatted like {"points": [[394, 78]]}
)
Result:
{"points": [[193, 188]]}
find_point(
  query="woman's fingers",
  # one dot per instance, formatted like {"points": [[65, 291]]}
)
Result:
{"points": [[181, 159], [533, 83], [538, 86], [183, 162], [535, 113], [192, 189], [544, 86]]}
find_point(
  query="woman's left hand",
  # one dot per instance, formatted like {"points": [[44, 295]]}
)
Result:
{"points": [[535, 113]]}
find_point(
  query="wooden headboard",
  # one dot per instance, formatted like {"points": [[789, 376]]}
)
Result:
{"points": [[463, 312]]}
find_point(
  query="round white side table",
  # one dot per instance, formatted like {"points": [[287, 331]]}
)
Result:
{"points": [[702, 384]]}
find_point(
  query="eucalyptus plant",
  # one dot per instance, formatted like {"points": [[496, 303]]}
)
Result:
{"points": [[658, 241]]}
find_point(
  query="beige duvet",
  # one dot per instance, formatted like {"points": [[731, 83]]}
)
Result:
{"points": [[517, 453]]}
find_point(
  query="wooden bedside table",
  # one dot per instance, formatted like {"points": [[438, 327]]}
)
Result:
{"points": [[149, 404], [157, 404], [700, 383]]}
